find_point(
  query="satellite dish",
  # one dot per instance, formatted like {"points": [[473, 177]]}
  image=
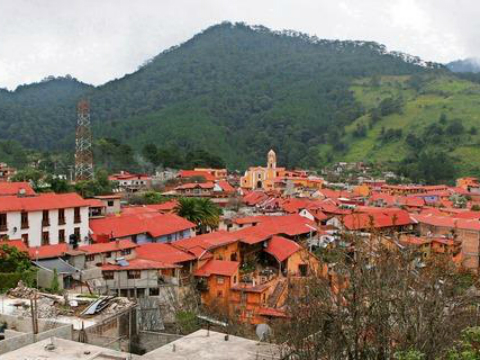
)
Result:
{"points": [[263, 331]]}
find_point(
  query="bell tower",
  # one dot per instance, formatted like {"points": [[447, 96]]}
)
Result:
{"points": [[271, 160]]}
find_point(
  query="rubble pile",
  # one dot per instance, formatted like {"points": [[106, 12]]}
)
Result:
{"points": [[118, 304], [22, 291]]}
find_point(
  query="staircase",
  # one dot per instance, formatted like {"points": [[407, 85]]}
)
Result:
{"points": [[274, 298]]}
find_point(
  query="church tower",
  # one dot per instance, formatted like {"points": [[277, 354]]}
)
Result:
{"points": [[272, 160]]}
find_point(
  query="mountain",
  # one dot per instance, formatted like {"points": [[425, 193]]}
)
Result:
{"points": [[471, 65], [236, 91]]}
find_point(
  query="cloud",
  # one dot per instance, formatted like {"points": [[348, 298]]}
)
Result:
{"points": [[97, 41]]}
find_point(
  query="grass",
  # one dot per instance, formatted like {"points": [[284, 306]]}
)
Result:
{"points": [[457, 99]]}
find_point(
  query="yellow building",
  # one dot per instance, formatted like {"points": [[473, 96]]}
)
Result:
{"points": [[262, 177]]}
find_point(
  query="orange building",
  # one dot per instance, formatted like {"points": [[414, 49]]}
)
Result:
{"points": [[468, 183], [219, 174], [216, 278]]}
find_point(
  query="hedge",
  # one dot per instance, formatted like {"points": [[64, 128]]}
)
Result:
{"points": [[10, 280]]}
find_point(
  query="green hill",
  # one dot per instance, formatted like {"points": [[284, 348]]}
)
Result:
{"points": [[236, 91], [438, 114]]}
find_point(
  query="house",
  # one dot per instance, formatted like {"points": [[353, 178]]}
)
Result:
{"points": [[134, 278], [222, 245], [110, 202], [470, 184], [142, 227], [192, 174], [219, 174], [466, 231], [219, 188], [45, 218], [131, 182], [101, 253], [185, 262], [216, 278], [368, 219]]}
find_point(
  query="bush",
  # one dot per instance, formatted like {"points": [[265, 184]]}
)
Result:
{"points": [[10, 280]]}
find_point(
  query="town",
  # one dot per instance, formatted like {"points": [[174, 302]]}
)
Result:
{"points": [[213, 260]]}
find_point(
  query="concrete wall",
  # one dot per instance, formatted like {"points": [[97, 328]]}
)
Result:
{"points": [[150, 341], [19, 332], [45, 278]]}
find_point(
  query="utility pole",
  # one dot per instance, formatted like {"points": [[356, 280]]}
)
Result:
{"points": [[83, 143]]}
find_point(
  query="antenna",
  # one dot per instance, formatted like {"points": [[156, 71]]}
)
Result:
{"points": [[83, 143], [263, 331]]}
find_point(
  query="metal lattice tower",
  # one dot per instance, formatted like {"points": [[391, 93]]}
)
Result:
{"points": [[83, 143]]}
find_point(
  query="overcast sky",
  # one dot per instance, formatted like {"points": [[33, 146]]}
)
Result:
{"points": [[100, 40]]}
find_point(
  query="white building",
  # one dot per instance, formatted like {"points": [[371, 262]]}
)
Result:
{"points": [[44, 219]]}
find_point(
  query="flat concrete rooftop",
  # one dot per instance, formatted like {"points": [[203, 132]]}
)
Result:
{"points": [[199, 346], [66, 350]]}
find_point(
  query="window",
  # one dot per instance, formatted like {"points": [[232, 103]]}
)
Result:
{"points": [[110, 203], [61, 236], [90, 257], [126, 251], [169, 237], [108, 254], [61, 216], [45, 238], [76, 215], [76, 232], [45, 218], [24, 217], [219, 293], [235, 279], [3, 222], [25, 239], [134, 274], [108, 275], [220, 280]]}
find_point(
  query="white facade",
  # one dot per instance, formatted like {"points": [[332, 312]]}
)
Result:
{"points": [[36, 229]]}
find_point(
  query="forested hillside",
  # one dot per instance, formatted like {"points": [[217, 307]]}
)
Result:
{"points": [[427, 126], [235, 91]]}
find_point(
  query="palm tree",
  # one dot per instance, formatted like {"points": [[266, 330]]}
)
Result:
{"points": [[202, 212]]}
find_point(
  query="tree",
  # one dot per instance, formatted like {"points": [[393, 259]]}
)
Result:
{"points": [[29, 175], [200, 211], [455, 128], [55, 285], [12, 260], [375, 303], [150, 153]]}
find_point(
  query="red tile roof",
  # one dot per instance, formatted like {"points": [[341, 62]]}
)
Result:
{"points": [[165, 253], [108, 247], [193, 173], [218, 267], [376, 219], [18, 244], [447, 221], [95, 203], [47, 251], [128, 176], [265, 311], [281, 248], [167, 206], [208, 241], [48, 201], [138, 264], [153, 223], [290, 225], [225, 185], [113, 196], [205, 185], [13, 188]]}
